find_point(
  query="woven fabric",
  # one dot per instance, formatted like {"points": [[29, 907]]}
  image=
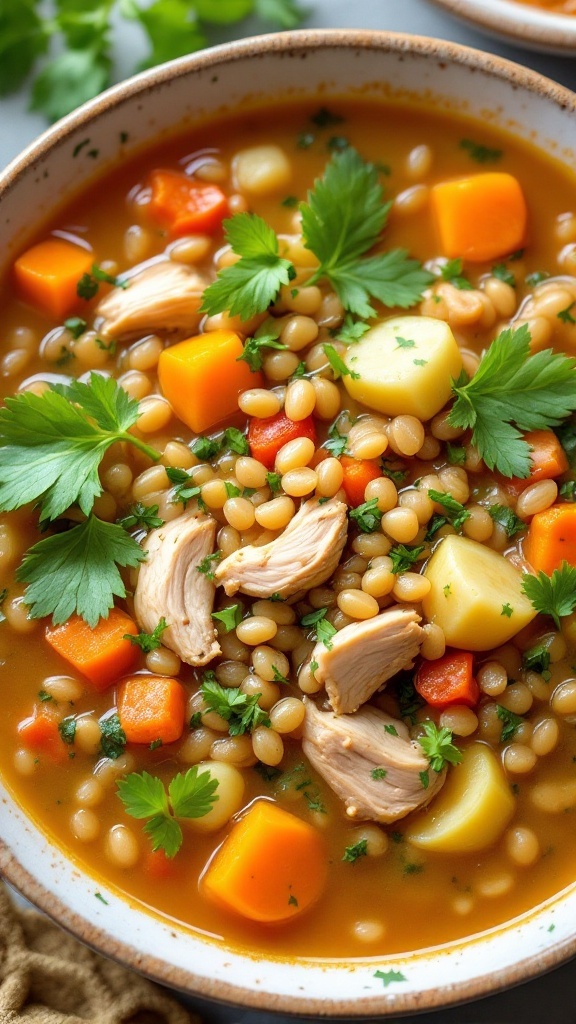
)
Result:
{"points": [[47, 977]]}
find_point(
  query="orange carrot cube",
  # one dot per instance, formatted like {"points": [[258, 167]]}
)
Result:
{"points": [[101, 654], [152, 708], [48, 273]]}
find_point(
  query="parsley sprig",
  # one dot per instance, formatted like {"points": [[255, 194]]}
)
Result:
{"points": [[438, 747], [189, 795], [323, 628], [242, 711], [513, 391], [553, 595], [52, 444]]}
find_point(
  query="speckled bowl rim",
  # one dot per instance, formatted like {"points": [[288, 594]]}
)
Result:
{"points": [[528, 27], [91, 929]]}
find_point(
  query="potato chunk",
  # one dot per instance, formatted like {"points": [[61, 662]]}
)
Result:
{"points": [[476, 595], [405, 365], [472, 810]]}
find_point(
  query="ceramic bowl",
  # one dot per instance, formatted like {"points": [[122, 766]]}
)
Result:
{"points": [[532, 28], [300, 64]]}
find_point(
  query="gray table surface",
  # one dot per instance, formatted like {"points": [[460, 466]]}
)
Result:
{"points": [[553, 996]]}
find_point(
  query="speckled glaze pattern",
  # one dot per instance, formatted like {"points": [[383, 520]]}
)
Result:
{"points": [[530, 27], [121, 121]]}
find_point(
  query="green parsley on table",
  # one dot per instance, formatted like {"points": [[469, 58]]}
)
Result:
{"points": [[513, 391], [553, 595], [190, 795], [52, 444], [242, 712], [78, 40]]}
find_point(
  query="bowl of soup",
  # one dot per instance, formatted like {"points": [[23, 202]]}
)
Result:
{"points": [[547, 26], [287, 530]]}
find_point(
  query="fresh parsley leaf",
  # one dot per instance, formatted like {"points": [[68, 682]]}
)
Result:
{"points": [[342, 220], [404, 557], [398, 476], [250, 285], [337, 363], [481, 154], [253, 349], [206, 448], [230, 617], [190, 795], [511, 722], [335, 442], [379, 773], [367, 516], [277, 676], [23, 38], [52, 444], [392, 731], [456, 454], [274, 481], [242, 712], [505, 517], [409, 700], [452, 271], [184, 489], [324, 629], [76, 571], [231, 490], [537, 659], [566, 434], [355, 852], [208, 564], [568, 490], [405, 343], [388, 977], [76, 325], [112, 737], [351, 330], [513, 391], [454, 511], [438, 747], [67, 729], [70, 79], [503, 273], [142, 517], [89, 284], [148, 641], [236, 441], [507, 610], [553, 595]]}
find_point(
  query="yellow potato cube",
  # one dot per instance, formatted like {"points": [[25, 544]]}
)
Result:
{"points": [[476, 595], [472, 810], [405, 365]]}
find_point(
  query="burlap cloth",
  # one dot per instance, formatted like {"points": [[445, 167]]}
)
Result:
{"points": [[47, 977]]}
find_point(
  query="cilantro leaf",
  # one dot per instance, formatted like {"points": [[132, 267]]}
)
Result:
{"points": [[76, 571], [242, 712], [148, 641], [335, 442], [513, 391], [342, 220], [351, 330], [553, 595], [184, 488], [67, 729], [387, 977], [250, 285], [481, 154], [190, 795], [52, 444], [438, 747]]}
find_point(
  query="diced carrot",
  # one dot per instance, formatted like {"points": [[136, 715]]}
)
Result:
{"points": [[101, 654], [267, 436], [151, 708], [202, 378], [40, 734], [448, 680], [271, 867], [48, 273], [551, 539], [157, 865], [358, 473], [480, 217], [548, 460], [184, 206]]}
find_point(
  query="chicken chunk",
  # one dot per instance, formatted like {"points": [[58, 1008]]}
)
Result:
{"points": [[370, 762], [303, 556], [364, 655], [164, 296], [170, 587]]}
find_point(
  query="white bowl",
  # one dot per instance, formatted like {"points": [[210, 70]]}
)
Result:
{"points": [[530, 27], [363, 64]]}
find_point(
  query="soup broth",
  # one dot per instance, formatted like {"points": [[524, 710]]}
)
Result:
{"points": [[386, 890]]}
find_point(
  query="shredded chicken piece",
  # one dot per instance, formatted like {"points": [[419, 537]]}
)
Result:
{"points": [[370, 762], [303, 556], [164, 296], [170, 587], [364, 655]]}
